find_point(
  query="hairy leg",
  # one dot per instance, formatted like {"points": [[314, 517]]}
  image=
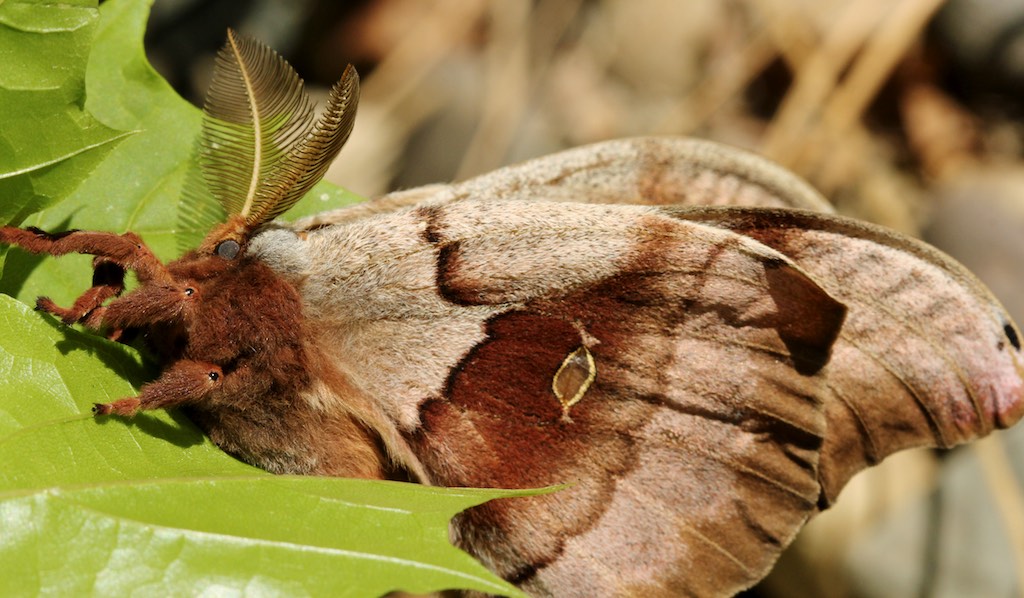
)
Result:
{"points": [[114, 254], [148, 305], [107, 282], [127, 250], [184, 382]]}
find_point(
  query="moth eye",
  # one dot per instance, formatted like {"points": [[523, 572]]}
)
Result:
{"points": [[573, 378], [228, 249]]}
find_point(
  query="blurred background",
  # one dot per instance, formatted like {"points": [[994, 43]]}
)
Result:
{"points": [[907, 113]]}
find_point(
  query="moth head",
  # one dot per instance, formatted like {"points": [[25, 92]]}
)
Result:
{"points": [[262, 147], [227, 240]]}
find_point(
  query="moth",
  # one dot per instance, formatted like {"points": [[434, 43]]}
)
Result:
{"points": [[679, 332]]}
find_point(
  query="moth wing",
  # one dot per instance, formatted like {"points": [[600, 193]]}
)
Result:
{"points": [[694, 447], [640, 170], [714, 424], [718, 416], [927, 357]]}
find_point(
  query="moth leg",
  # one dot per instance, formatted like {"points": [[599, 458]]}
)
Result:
{"points": [[147, 305], [107, 282], [184, 382], [125, 250]]}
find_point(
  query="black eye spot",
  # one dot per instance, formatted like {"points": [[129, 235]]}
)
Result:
{"points": [[228, 249], [214, 376], [189, 291], [1011, 334]]}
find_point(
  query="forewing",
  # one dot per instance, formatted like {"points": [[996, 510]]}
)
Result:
{"points": [[695, 447]]}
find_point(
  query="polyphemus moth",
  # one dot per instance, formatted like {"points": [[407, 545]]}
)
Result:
{"points": [[680, 332]]}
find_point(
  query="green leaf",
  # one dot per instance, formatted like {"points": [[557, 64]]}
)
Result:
{"points": [[50, 376], [48, 143], [109, 506], [138, 184], [140, 537]]}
